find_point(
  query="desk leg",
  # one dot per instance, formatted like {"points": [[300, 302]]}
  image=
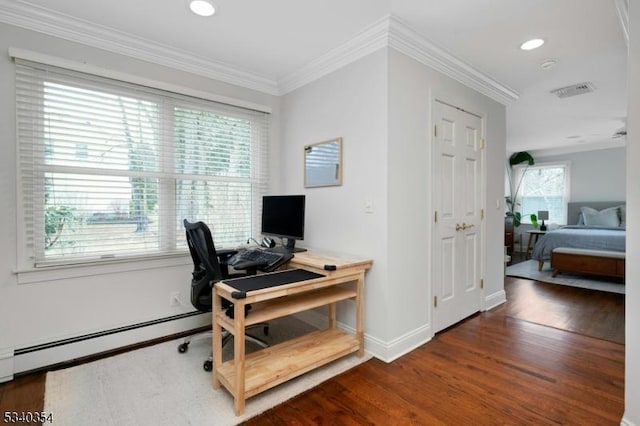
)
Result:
{"points": [[360, 314], [332, 315], [238, 355], [216, 343]]}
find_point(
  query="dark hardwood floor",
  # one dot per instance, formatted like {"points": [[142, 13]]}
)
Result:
{"points": [[23, 394], [497, 367], [491, 369], [592, 313]]}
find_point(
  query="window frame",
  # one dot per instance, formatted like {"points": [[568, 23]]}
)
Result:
{"points": [[258, 178], [519, 170]]}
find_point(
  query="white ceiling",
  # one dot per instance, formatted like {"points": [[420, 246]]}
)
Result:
{"points": [[269, 42]]}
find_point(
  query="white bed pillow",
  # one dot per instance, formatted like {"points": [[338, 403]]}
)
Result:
{"points": [[623, 215], [609, 218]]}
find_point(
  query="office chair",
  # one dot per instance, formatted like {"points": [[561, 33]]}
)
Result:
{"points": [[209, 267]]}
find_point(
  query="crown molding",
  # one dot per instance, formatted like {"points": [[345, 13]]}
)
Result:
{"points": [[386, 32], [53, 23], [391, 32], [407, 41], [622, 6], [372, 38]]}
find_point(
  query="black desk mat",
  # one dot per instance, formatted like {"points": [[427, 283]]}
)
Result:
{"points": [[258, 282]]}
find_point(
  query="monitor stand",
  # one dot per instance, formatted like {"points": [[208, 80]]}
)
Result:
{"points": [[291, 246]]}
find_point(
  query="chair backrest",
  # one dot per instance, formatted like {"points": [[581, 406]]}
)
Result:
{"points": [[206, 268]]}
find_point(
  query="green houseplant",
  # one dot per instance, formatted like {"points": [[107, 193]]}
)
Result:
{"points": [[514, 187]]}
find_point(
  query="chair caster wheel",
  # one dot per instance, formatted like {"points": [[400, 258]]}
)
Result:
{"points": [[208, 366], [183, 347]]}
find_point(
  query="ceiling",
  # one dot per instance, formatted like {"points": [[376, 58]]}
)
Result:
{"points": [[269, 43]]}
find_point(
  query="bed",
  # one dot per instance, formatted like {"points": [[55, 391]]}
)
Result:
{"points": [[603, 230]]}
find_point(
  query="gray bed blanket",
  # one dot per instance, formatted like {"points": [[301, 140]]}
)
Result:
{"points": [[584, 237]]}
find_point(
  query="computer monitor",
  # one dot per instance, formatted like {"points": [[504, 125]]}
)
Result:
{"points": [[283, 216]]}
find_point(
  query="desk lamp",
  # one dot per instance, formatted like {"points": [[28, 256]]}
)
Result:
{"points": [[543, 215]]}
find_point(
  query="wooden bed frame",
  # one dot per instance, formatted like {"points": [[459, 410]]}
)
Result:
{"points": [[591, 262], [573, 212]]}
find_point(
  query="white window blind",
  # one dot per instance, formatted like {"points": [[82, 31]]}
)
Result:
{"points": [[109, 169]]}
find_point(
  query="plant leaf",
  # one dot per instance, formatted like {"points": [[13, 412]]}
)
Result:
{"points": [[521, 157]]}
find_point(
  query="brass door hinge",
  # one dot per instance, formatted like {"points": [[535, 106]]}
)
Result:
{"points": [[481, 143], [481, 283], [435, 301], [481, 213], [435, 216], [435, 130]]}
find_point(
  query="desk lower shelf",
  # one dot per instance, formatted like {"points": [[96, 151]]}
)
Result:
{"points": [[274, 365]]}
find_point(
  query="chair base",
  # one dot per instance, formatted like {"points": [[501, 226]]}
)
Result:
{"points": [[226, 336]]}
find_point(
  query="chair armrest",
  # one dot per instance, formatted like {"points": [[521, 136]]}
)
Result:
{"points": [[251, 265], [225, 254]]}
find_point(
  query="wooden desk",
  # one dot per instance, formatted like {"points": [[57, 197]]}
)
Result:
{"points": [[248, 375]]}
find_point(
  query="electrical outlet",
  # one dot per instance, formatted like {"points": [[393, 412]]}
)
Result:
{"points": [[174, 299]]}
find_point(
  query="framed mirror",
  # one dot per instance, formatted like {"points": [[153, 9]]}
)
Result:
{"points": [[323, 163]]}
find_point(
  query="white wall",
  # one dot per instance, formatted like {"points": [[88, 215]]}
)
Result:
{"points": [[632, 297], [412, 89], [94, 299], [595, 175], [351, 103], [380, 105]]}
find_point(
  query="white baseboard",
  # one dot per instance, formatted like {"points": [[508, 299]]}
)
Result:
{"points": [[384, 351], [6, 365], [390, 351], [68, 352], [495, 299], [626, 422]]}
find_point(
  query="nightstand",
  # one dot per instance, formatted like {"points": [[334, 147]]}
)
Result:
{"points": [[509, 235], [534, 234]]}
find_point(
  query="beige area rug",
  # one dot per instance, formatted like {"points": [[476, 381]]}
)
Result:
{"points": [[529, 269], [159, 386]]}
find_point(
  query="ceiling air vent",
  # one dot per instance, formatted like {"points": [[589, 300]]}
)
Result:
{"points": [[574, 90]]}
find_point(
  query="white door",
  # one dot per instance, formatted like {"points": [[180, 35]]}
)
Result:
{"points": [[457, 177]]}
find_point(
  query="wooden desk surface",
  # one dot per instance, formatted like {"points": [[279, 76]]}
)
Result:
{"points": [[319, 260]]}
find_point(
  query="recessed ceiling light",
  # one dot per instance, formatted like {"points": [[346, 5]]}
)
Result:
{"points": [[202, 7], [532, 44]]}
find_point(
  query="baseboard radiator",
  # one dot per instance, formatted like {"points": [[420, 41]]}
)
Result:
{"points": [[65, 350]]}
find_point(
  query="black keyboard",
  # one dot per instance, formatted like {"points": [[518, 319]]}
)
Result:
{"points": [[272, 259]]}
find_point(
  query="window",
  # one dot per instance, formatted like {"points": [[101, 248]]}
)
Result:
{"points": [[544, 187], [109, 170]]}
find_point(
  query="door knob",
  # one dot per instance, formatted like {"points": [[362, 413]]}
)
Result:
{"points": [[465, 226]]}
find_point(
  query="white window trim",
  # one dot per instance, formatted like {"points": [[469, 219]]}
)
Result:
{"points": [[84, 67], [566, 196], [64, 272], [26, 271]]}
